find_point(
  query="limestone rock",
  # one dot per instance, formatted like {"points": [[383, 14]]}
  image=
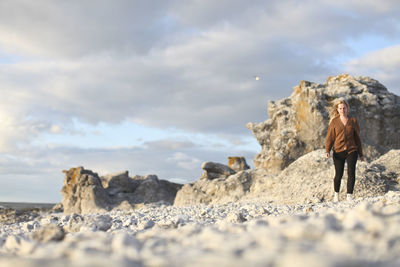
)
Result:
{"points": [[217, 190], [85, 192], [298, 124], [237, 164], [151, 189], [51, 232], [119, 183], [214, 170], [101, 222], [57, 207], [307, 180]]}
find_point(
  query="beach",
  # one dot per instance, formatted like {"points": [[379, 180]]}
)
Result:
{"points": [[363, 232]]}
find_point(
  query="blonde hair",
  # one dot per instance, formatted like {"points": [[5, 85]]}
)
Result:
{"points": [[333, 112]]}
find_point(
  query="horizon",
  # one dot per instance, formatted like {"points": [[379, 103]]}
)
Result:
{"points": [[159, 87]]}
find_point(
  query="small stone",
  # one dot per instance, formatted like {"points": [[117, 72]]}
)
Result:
{"points": [[50, 232], [236, 217], [145, 224]]}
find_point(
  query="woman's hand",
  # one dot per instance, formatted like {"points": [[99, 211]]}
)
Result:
{"points": [[362, 158], [328, 155]]}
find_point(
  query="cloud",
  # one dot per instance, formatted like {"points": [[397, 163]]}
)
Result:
{"points": [[175, 64], [383, 65], [179, 65], [383, 8], [75, 28], [184, 161], [16, 130], [168, 144], [171, 65]]}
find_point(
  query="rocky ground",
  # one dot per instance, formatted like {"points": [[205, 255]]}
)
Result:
{"points": [[306, 180], [363, 232]]}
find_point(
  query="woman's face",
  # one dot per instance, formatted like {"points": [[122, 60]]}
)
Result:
{"points": [[342, 109]]}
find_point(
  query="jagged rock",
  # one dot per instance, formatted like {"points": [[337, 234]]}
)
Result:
{"points": [[119, 183], [213, 170], [237, 164], [151, 189], [307, 180], [85, 192], [218, 183], [217, 190], [298, 124]]}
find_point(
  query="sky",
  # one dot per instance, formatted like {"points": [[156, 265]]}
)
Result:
{"points": [[160, 86]]}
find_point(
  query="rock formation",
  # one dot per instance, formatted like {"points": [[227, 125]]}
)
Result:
{"points": [[237, 164], [85, 192], [307, 180], [218, 190], [218, 183], [214, 170], [298, 124]]}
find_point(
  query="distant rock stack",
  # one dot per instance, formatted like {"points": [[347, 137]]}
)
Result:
{"points": [[297, 125], [85, 192]]}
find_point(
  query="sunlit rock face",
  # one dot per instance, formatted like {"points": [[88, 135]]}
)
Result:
{"points": [[309, 179], [238, 164], [83, 192], [298, 124]]}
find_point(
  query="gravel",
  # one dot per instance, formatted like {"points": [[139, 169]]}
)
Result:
{"points": [[363, 232]]}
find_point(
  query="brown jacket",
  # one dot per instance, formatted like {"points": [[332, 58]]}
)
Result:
{"points": [[341, 137]]}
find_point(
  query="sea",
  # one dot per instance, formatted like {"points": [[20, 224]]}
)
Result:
{"points": [[25, 205]]}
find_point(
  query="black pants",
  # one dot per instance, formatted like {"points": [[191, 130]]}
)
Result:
{"points": [[339, 160]]}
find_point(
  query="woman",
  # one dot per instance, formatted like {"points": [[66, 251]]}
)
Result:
{"points": [[344, 137]]}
